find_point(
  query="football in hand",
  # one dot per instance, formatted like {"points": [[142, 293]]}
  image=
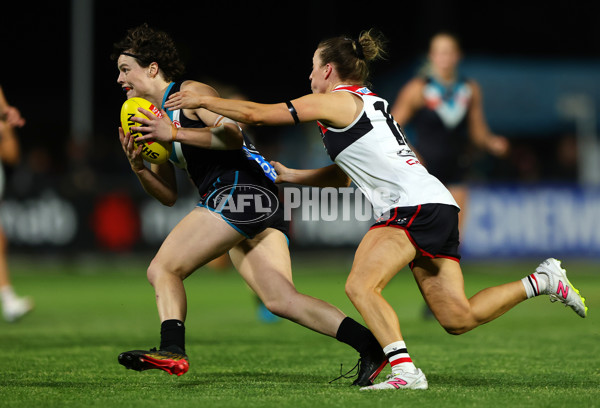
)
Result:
{"points": [[153, 152]]}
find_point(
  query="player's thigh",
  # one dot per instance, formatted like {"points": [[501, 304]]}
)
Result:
{"points": [[442, 284], [264, 263], [197, 239], [382, 253]]}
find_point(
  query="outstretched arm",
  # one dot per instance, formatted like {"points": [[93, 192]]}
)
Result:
{"points": [[336, 109], [223, 135], [330, 176], [220, 133]]}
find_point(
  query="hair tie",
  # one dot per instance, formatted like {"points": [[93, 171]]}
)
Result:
{"points": [[359, 49], [139, 58]]}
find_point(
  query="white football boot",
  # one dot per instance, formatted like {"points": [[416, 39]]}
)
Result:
{"points": [[16, 308], [559, 288], [403, 380]]}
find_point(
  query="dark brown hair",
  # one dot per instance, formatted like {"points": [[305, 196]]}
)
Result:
{"points": [[352, 57], [147, 45]]}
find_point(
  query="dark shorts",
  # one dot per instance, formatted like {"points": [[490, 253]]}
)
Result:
{"points": [[432, 228], [449, 171], [248, 202]]}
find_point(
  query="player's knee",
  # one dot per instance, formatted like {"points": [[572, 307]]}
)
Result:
{"points": [[358, 291], [155, 271], [279, 307], [455, 330], [353, 291], [456, 325]]}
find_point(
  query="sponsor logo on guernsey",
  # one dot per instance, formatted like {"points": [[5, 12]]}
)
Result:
{"points": [[266, 167]]}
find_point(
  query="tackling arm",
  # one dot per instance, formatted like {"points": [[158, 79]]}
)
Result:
{"points": [[337, 109], [329, 176]]}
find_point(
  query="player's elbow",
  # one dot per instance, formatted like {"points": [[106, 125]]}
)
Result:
{"points": [[168, 200], [170, 203], [252, 117], [341, 178], [257, 115]]}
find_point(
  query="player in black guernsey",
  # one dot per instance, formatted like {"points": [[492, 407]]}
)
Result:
{"points": [[417, 218], [445, 110], [238, 211]]}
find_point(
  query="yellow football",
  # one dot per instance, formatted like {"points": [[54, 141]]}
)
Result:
{"points": [[153, 152]]}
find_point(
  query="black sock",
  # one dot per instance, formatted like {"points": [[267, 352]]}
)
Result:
{"points": [[172, 333], [356, 335]]}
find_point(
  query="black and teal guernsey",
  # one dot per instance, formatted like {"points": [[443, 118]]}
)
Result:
{"points": [[227, 177]]}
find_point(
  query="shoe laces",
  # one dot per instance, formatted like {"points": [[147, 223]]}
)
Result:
{"points": [[348, 374]]}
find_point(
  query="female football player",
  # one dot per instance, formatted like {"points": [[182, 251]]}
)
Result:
{"points": [[446, 110], [226, 169], [417, 222], [13, 306]]}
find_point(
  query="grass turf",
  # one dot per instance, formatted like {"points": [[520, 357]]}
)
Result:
{"points": [[65, 353]]}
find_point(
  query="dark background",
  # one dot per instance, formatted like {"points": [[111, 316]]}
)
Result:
{"points": [[265, 50], [262, 48]]}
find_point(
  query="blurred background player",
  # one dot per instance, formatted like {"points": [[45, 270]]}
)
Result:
{"points": [[13, 306], [445, 111]]}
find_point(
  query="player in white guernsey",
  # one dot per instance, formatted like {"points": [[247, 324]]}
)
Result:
{"points": [[374, 153], [418, 218]]}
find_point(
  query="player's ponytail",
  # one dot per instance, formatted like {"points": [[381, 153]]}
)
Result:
{"points": [[372, 44], [352, 57]]}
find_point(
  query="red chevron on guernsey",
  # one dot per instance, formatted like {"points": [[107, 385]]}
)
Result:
{"points": [[359, 90]]}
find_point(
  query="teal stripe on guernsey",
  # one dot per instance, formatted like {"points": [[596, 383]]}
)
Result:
{"points": [[173, 157], [169, 112]]}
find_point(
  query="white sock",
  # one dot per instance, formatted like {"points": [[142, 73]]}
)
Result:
{"points": [[7, 294], [399, 358], [535, 284]]}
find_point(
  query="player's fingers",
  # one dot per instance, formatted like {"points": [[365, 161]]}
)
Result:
{"points": [[143, 121], [140, 129], [145, 112], [144, 138], [174, 100]]}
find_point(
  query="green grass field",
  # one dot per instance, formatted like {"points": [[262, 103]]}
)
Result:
{"points": [[65, 353]]}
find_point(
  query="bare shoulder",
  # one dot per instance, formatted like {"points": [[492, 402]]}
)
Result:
{"points": [[475, 89], [474, 85], [199, 88]]}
